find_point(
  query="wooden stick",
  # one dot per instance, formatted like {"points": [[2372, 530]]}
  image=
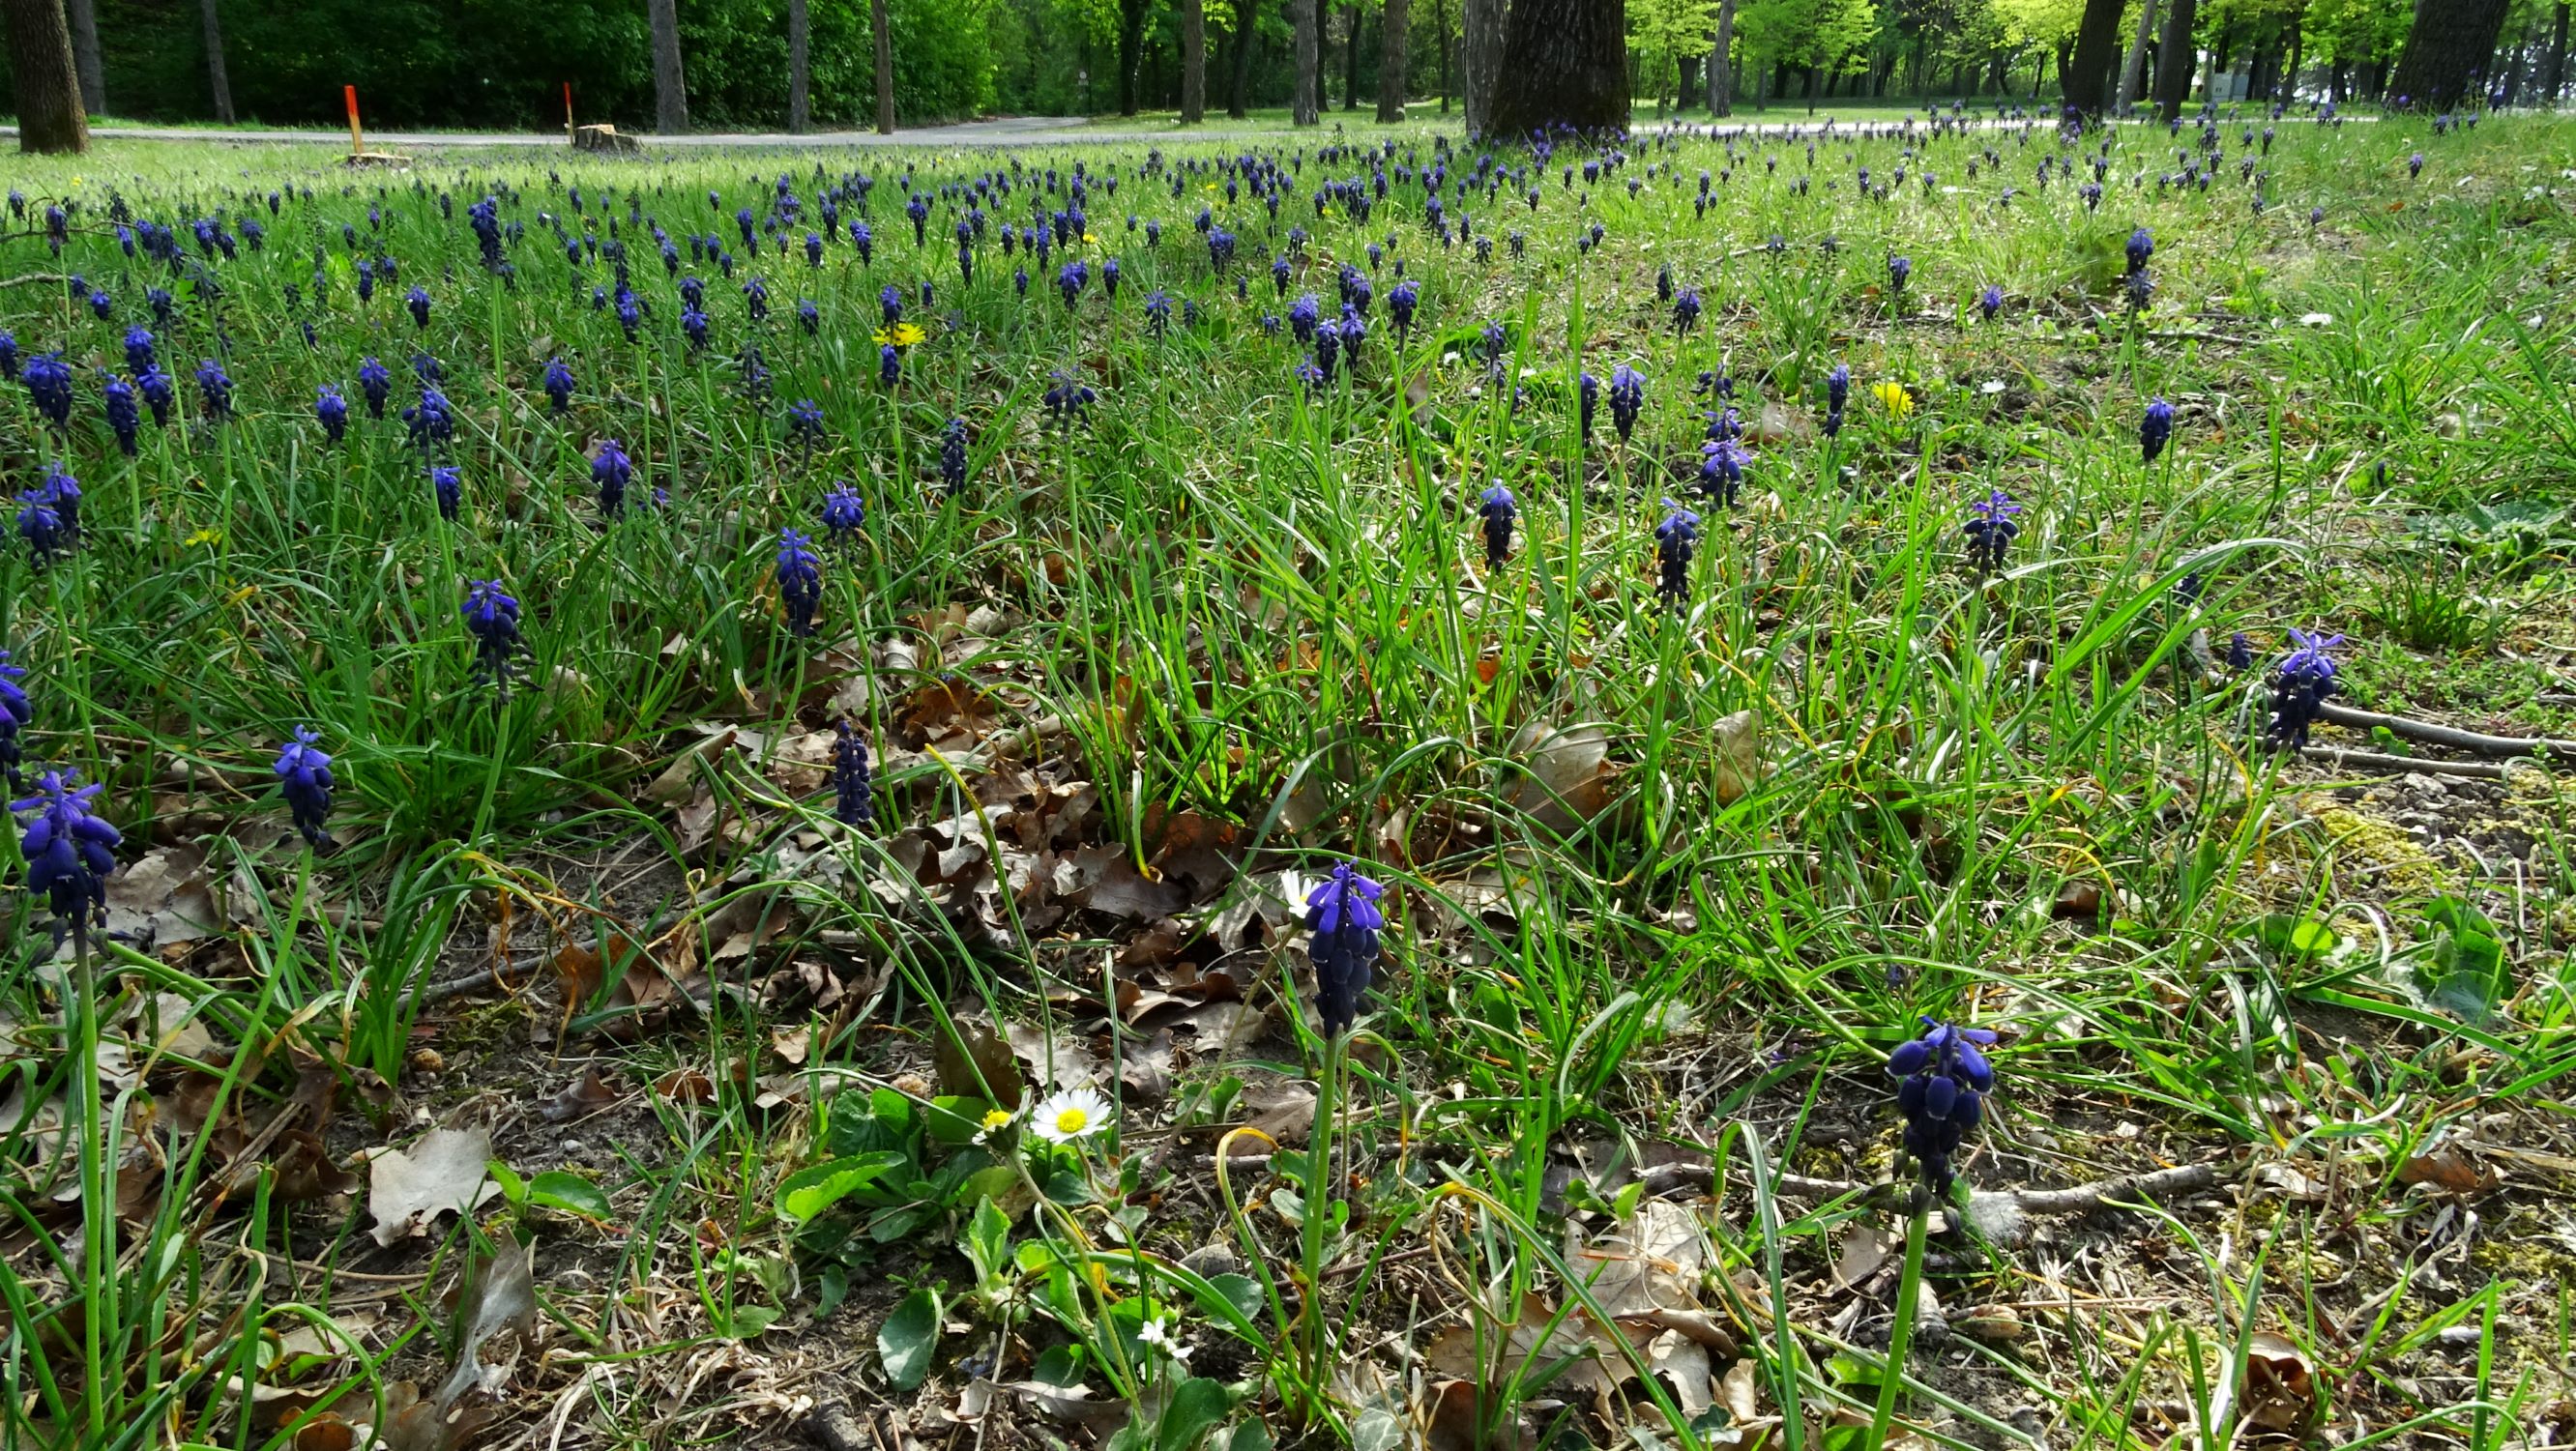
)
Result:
{"points": [[2433, 733], [2337, 757]]}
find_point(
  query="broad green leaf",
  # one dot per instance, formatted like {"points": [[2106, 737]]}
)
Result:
{"points": [[988, 1242], [1197, 1407], [910, 1334], [809, 1191], [570, 1193]]}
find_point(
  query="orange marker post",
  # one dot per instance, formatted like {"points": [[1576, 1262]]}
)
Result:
{"points": [[568, 127], [357, 143]]}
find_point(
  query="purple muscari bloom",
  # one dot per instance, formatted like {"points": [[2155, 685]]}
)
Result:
{"points": [[919, 210], [810, 315], [492, 618], [1627, 399], [69, 850], [755, 296], [1941, 1078], [800, 581], [1109, 278], [49, 385], [102, 305], [813, 250], [1721, 468], [805, 422], [952, 456], [843, 512], [1587, 401], [2415, 165], [1158, 313], [9, 355], [2142, 245], [15, 713], [366, 280], [693, 323], [1344, 917], [864, 240], [139, 353], [217, 386], [1990, 301], [1498, 509], [1070, 279], [426, 367], [610, 470], [2300, 685], [1279, 272], [1070, 399], [42, 527], [1676, 539], [2155, 429], [376, 384], [1302, 315], [304, 778], [1686, 309], [431, 421], [418, 301], [889, 365], [124, 417], [332, 411], [447, 484], [1898, 270], [1498, 341], [2240, 653], [852, 798], [1990, 529], [158, 393], [1401, 300], [559, 384], [693, 292]]}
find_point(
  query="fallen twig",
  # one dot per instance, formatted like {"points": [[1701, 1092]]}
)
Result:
{"points": [[2433, 733], [2374, 761]]}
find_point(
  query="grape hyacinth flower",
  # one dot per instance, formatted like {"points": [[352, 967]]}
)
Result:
{"points": [[2142, 245], [49, 385], [69, 849], [1899, 268], [1498, 509], [2155, 429], [889, 365], [304, 778], [377, 384], [1990, 529], [1158, 313], [1721, 468], [952, 456], [1941, 1078], [1401, 300], [139, 353], [1686, 308], [1587, 402], [1344, 917], [2300, 685], [1627, 399], [2240, 653], [559, 384], [492, 618], [124, 415], [1069, 399], [217, 388], [843, 512], [42, 527], [805, 424], [417, 300], [610, 470], [800, 582], [853, 802], [1990, 301], [1676, 539], [332, 412], [15, 714], [447, 484], [430, 421]]}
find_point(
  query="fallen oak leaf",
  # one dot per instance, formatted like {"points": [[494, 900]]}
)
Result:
{"points": [[443, 1173]]}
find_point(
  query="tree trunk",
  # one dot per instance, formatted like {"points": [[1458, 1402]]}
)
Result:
{"points": [[800, 102], [2087, 79], [1440, 28], [2449, 41], [883, 25], [2174, 59], [2133, 71], [1238, 97], [215, 78], [1721, 63], [2298, 57], [1565, 62], [1306, 106], [670, 85], [1390, 60], [1131, 52], [1193, 62], [40, 63], [1686, 73], [2556, 76], [1481, 24], [93, 78], [1351, 62]]}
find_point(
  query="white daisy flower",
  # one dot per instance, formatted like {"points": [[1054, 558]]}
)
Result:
{"points": [[1159, 1336], [1070, 1115]]}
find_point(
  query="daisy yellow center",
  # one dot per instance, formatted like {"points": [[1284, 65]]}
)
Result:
{"points": [[997, 1118], [1072, 1120]]}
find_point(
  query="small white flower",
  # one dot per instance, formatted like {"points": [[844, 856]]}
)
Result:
{"points": [[2316, 319], [1159, 1336], [1070, 1115], [1991, 387]]}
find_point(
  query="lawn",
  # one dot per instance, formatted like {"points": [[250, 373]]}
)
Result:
{"points": [[1653, 629]]}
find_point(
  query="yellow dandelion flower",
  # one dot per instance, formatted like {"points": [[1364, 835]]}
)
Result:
{"points": [[1895, 398], [902, 334]]}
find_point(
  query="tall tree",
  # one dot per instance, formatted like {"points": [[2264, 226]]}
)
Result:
{"points": [[1238, 96], [670, 86], [884, 27], [1480, 56], [1721, 63], [93, 77], [1193, 62], [216, 80], [800, 104], [1132, 15], [1305, 107], [2087, 77], [1351, 61], [40, 63], [2176, 59], [2133, 71], [1390, 61], [1440, 28], [1565, 62], [2555, 75], [1668, 36], [2446, 49]]}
